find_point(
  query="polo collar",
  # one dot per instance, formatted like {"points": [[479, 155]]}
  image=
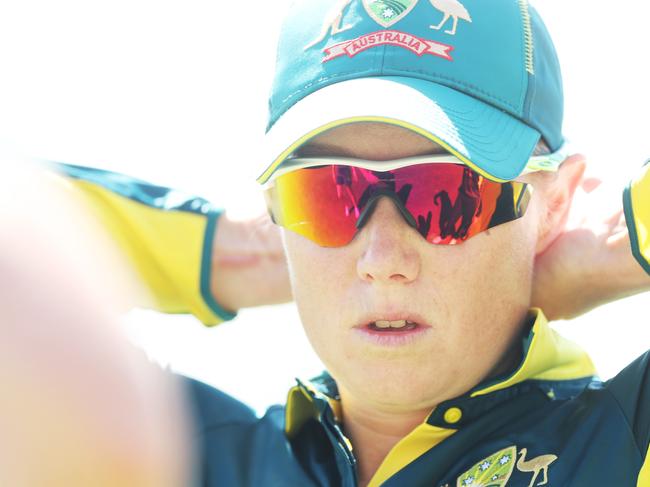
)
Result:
{"points": [[549, 362], [547, 356]]}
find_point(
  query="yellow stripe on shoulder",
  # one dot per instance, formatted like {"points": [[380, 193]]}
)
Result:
{"points": [[636, 201], [169, 249]]}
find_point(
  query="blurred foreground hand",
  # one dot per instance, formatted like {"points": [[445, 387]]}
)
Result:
{"points": [[80, 406]]}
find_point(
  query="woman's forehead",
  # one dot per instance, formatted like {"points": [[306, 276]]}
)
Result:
{"points": [[375, 141], [383, 141]]}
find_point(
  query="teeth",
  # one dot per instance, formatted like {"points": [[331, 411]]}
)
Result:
{"points": [[391, 324]]}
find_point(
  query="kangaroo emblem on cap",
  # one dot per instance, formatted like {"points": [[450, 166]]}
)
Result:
{"points": [[332, 23], [453, 9]]}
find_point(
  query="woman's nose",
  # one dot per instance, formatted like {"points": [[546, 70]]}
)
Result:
{"points": [[390, 246]]}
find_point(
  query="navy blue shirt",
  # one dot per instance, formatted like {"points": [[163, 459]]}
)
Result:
{"points": [[548, 419]]}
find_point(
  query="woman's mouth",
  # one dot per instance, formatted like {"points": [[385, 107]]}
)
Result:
{"points": [[385, 325], [392, 333]]}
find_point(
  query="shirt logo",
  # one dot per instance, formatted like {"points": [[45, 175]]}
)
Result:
{"points": [[496, 470], [536, 465]]}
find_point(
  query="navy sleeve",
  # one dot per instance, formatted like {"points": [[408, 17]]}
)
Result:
{"points": [[631, 389]]}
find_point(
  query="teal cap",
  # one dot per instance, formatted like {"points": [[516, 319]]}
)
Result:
{"points": [[479, 77]]}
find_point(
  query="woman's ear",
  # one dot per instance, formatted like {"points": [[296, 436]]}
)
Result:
{"points": [[557, 196]]}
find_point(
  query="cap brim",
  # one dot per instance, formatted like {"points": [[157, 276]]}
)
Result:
{"points": [[492, 142]]}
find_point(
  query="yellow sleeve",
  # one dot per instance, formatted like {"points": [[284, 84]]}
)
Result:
{"points": [[166, 236], [636, 202]]}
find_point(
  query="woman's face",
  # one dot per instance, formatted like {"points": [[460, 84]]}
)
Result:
{"points": [[468, 301]]}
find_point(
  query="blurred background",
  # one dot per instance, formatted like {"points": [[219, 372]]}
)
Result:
{"points": [[174, 92]]}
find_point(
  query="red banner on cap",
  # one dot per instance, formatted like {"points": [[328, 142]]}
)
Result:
{"points": [[414, 44]]}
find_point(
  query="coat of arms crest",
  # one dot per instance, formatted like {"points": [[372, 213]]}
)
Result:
{"points": [[494, 471], [388, 12]]}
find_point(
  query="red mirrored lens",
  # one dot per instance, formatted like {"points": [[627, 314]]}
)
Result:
{"points": [[446, 203]]}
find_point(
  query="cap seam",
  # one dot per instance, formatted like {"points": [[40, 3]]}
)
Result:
{"points": [[490, 96], [382, 58], [478, 140], [532, 87], [471, 120], [389, 73], [284, 101], [462, 114], [526, 37], [478, 143]]}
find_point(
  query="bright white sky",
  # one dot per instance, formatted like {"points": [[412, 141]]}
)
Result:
{"points": [[174, 91]]}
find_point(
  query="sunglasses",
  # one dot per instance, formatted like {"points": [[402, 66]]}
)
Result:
{"points": [[328, 200]]}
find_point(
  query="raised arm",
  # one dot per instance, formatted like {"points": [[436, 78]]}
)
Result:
{"points": [[190, 256], [602, 258]]}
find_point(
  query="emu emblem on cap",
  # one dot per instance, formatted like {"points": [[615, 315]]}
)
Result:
{"points": [[453, 9], [388, 12]]}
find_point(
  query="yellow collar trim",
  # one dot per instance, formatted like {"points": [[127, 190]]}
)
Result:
{"points": [[300, 407], [548, 356], [415, 444]]}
